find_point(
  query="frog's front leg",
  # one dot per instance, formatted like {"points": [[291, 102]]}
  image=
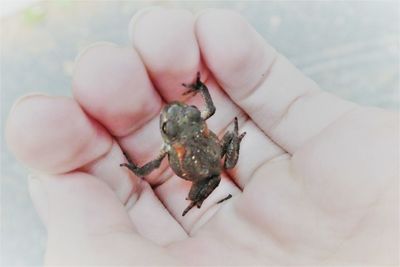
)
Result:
{"points": [[196, 87], [231, 145], [145, 169], [200, 190]]}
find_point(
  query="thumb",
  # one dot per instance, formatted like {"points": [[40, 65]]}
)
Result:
{"points": [[87, 224]]}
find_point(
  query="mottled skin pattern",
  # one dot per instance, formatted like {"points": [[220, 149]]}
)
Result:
{"points": [[194, 152]]}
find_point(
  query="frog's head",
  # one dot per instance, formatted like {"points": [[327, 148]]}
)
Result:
{"points": [[178, 120]]}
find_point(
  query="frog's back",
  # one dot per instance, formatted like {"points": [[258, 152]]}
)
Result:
{"points": [[197, 158]]}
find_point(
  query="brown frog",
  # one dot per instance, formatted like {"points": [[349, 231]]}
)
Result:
{"points": [[194, 152]]}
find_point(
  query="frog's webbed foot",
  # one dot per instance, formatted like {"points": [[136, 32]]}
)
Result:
{"points": [[199, 86], [130, 165], [195, 87], [198, 204], [200, 191], [231, 146]]}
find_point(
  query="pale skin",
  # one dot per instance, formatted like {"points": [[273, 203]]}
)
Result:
{"points": [[316, 183]]}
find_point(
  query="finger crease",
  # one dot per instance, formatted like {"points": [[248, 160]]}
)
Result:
{"points": [[294, 102], [262, 79], [156, 114], [275, 158]]}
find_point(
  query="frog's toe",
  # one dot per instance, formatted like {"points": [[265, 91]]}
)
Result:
{"points": [[190, 91], [224, 199], [191, 205], [199, 203], [241, 136]]}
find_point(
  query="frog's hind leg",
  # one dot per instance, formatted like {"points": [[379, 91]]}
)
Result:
{"points": [[231, 145], [200, 190]]}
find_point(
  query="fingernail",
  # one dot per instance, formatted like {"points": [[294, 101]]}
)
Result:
{"points": [[26, 97], [137, 16], [83, 50]]}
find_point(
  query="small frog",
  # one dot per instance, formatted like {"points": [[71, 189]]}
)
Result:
{"points": [[194, 152]]}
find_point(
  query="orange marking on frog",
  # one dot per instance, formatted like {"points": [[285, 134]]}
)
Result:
{"points": [[205, 131], [180, 151]]}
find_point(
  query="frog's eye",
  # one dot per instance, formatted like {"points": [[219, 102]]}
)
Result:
{"points": [[164, 128], [173, 110], [169, 128], [193, 113]]}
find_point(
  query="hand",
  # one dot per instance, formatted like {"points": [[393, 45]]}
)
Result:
{"points": [[316, 181]]}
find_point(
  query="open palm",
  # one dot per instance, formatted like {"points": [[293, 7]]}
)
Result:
{"points": [[315, 182]]}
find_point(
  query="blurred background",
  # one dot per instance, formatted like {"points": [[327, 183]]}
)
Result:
{"points": [[349, 48]]}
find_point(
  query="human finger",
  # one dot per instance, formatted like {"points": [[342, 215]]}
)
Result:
{"points": [[276, 95], [111, 85], [85, 218], [126, 103], [54, 135], [42, 132]]}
